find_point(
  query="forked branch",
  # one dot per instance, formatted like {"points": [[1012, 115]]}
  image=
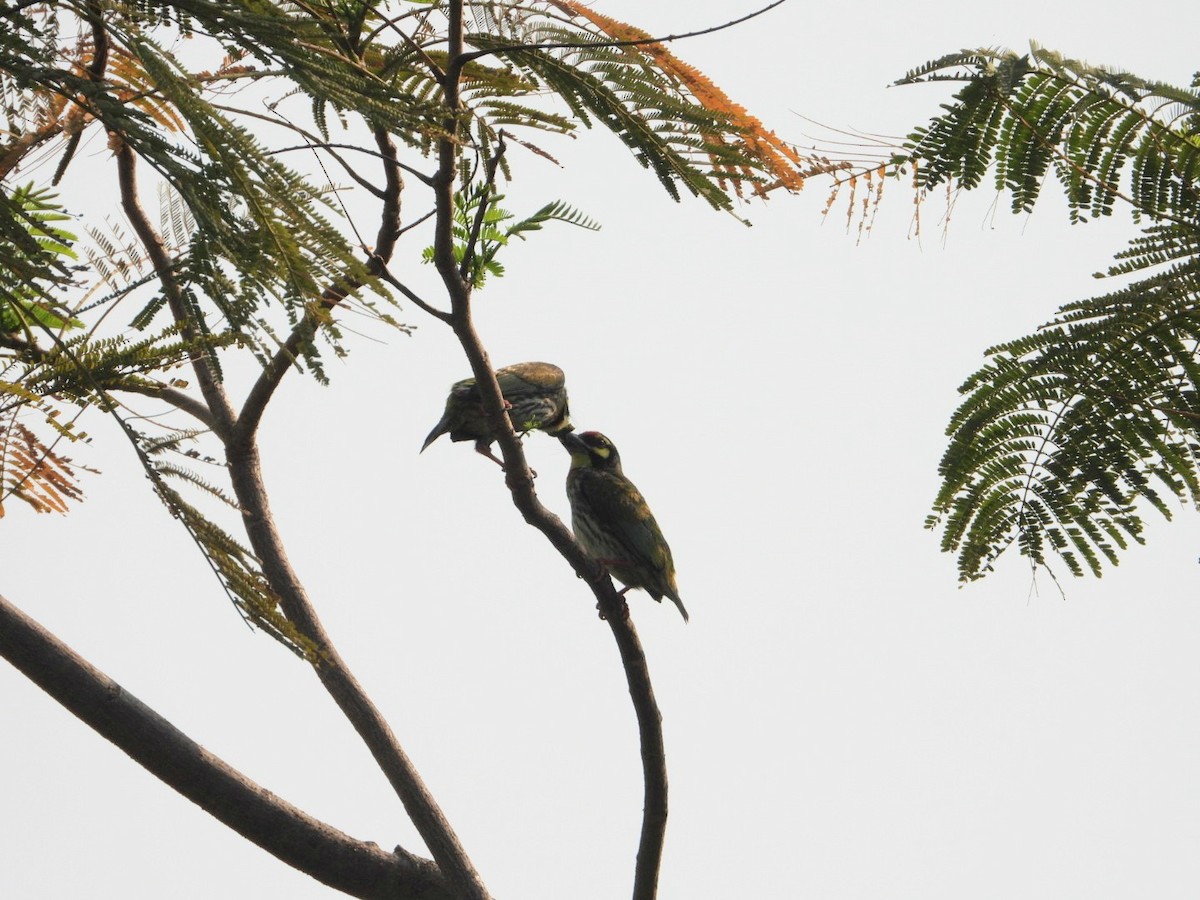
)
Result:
{"points": [[339, 681], [238, 434]]}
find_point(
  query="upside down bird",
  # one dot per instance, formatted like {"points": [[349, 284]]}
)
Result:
{"points": [[612, 522], [535, 394]]}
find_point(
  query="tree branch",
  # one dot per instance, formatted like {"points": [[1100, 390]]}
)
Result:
{"points": [[637, 676], [519, 480], [17, 149], [286, 356], [355, 867], [214, 394], [95, 72], [173, 396], [612, 606], [237, 435], [416, 299], [12, 342]]}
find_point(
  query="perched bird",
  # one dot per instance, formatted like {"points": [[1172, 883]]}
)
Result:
{"points": [[535, 395], [612, 522]]}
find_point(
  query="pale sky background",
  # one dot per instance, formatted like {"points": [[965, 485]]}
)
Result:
{"points": [[843, 722]]}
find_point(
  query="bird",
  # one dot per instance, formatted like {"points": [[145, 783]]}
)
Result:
{"points": [[612, 522], [535, 395]]}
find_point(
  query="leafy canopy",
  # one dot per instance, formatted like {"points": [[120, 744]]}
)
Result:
{"points": [[1066, 434], [260, 124]]}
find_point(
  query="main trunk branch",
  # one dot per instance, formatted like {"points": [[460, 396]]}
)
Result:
{"points": [[358, 868]]}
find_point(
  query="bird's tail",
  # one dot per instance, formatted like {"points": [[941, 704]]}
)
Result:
{"points": [[675, 599]]}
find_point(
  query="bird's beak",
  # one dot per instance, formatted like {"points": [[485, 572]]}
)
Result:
{"points": [[572, 442], [581, 456]]}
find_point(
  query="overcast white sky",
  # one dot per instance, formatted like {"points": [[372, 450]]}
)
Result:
{"points": [[842, 721]]}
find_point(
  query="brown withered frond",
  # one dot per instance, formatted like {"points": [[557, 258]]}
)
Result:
{"points": [[32, 472], [135, 87], [862, 205], [784, 165]]}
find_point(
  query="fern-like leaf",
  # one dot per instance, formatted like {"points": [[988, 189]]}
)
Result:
{"points": [[1065, 433], [494, 234], [32, 471], [1106, 135], [1066, 436]]}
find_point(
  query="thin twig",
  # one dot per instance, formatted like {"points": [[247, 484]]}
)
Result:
{"points": [[173, 396], [309, 136], [486, 198], [638, 42], [362, 182], [417, 221], [177, 398], [391, 279]]}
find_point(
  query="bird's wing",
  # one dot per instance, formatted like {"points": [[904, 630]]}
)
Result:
{"points": [[464, 390], [537, 377], [621, 505]]}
